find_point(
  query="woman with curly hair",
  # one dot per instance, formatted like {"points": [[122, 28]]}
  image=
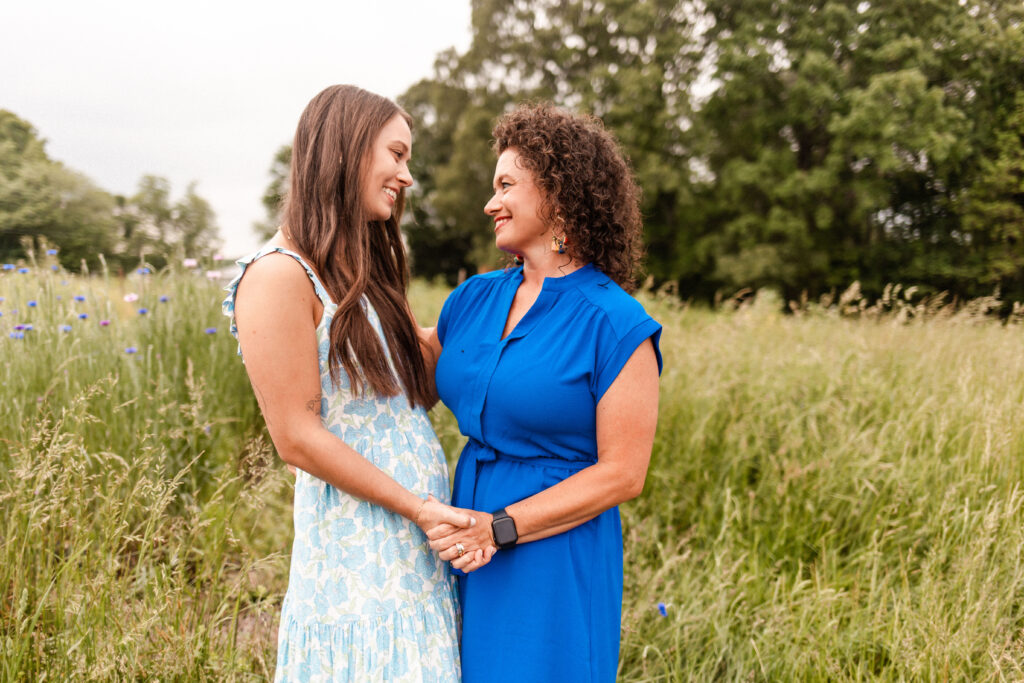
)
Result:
{"points": [[551, 369]]}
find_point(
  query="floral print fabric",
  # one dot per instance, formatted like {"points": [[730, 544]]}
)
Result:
{"points": [[367, 599]]}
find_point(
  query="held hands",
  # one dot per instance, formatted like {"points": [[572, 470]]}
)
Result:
{"points": [[433, 512], [475, 539]]}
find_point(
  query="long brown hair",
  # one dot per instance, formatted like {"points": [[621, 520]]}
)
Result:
{"points": [[355, 256]]}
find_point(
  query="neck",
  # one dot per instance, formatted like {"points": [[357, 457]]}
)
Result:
{"points": [[540, 265]]}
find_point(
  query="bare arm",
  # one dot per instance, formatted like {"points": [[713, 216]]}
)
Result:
{"points": [[431, 349], [277, 312], [627, 416]]}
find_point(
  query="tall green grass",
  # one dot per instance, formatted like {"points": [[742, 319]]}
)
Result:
{"points": [[830, 498]]}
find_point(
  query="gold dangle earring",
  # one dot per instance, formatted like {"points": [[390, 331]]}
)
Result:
{"points": [[558, 243]]}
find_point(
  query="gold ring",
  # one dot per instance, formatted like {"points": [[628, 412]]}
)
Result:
{"points": [[461, 549]]}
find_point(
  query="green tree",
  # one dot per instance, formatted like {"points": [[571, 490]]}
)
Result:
{"points": [[799, 145], [42, 198], [155, 228], [273, 196], [195, 225], [841, 138], [629, 62]]}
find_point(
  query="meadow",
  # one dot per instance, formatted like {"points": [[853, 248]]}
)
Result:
{"points": [[834, 494]]}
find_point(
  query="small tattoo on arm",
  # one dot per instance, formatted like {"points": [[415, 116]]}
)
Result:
{"points": [[313, 404]]}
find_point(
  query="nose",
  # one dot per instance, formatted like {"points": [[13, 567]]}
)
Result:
{"points": [[404, 176], [492, 207]]}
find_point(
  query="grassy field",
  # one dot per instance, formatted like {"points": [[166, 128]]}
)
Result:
{"points": [[831, 498]]}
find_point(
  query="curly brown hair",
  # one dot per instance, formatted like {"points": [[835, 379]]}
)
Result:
{"points": [[585, 181]]}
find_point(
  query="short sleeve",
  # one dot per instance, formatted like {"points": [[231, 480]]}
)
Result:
{"points": [[620, 349], [450, 308]]}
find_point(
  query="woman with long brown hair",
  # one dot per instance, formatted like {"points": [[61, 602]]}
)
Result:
{"points": [[333, 355]]}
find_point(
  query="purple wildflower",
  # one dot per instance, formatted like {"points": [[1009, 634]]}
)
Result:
{"points": [[130, 350], [211, 330], [65, 328], [54, 268], [19, 327], [104, 323]]}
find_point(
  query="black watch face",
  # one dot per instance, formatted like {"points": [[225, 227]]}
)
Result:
{"points": [[504, 531]]}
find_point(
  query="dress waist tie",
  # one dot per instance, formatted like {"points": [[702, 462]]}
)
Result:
{"points": [[477, 452]]}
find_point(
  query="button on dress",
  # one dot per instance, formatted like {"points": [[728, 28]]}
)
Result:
{"points": [[367, 599], [547, 610]]}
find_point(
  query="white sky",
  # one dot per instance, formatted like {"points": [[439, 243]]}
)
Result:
{"points": [[204, 90]]}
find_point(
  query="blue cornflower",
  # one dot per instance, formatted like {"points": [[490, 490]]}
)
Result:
{"points": [[23, 270], [79, 297], [1, 299], [211, 330], [131, 349], [17, 335], [28, 328], [83, 316], [8, 266], [662, 609], [164, 299], [143, 311], [54, 268], [143, 271], [51, 252], [60, 298], [33, 303], [65, 328]]}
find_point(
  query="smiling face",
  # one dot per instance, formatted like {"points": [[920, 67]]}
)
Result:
{"points": [[387, 169], [516, 207]]}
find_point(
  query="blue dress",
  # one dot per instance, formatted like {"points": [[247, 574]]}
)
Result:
{"points": [[367, 599], [548, 610]]}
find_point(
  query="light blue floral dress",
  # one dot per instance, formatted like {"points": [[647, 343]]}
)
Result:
{"points": [[367, 599]]}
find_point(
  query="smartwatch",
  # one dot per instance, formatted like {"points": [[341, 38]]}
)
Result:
{"points": [[504, 528]]}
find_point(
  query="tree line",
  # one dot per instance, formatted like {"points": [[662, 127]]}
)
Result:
{"points": [[43, 200], [794, 144]]}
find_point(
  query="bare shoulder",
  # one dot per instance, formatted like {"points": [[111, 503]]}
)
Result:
{"points": [[275, 282]]}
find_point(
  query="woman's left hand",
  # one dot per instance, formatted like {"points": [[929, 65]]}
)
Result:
{"points": [[477, 543]]}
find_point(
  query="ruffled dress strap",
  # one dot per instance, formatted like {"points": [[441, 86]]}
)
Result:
{"points": [[228, 306]]}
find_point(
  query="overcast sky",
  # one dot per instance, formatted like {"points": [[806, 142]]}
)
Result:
{"points": [[204, 91]]}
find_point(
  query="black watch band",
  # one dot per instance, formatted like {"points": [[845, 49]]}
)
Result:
{"points": [[504, 528]]}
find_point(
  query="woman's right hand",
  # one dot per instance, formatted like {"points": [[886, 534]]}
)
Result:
{"points": [[432, 513]]}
